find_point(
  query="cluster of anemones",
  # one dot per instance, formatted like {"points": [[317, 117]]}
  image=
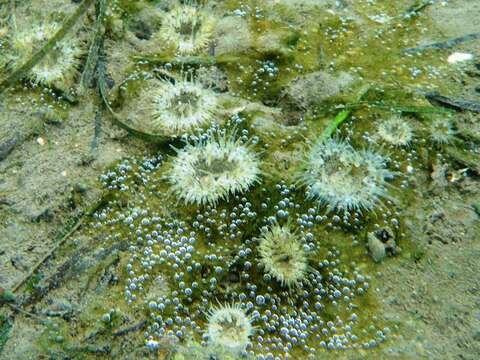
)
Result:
{"points": [[250, 276]]}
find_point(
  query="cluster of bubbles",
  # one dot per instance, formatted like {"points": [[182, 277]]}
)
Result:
{"points": [[267, 72], [250, 275]]}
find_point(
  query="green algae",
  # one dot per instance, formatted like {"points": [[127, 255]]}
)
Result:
{"points": [[329, 239], [341, 117], [5, 327]]}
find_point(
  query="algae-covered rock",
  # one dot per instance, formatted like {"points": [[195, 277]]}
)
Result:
{"points": [[376, 248], [313, 88], [213, 78], [232, 36], [273, 43]]}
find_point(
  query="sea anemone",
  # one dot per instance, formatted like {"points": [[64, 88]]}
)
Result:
{"points": [[283, 256], [187, 28], [209, 170], [395, 131], [59, 67], [343, 178], [442, 131], [180, 107], [229, 327]]}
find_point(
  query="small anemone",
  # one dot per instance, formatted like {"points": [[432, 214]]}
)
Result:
{"points": [[395, 131], [442, 131], [206, 171], [181, 107], [229, 327], [343, 178], [283, 256], [59, 67], [188, 28]]}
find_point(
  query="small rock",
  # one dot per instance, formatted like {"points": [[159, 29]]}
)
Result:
{"points": [[60, 308], [232, 36], [80, 188], [376, 248], [387, 237], [273, 44], [459, 57], [117, 133], [141, 29], [6, 296], [310, 90], [46, 215], [51, 117], [117, 27], [7, 147], [18, 262], [439, 176]]}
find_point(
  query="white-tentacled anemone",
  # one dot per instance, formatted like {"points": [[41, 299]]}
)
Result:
{"points": [[206, 171], [345, 179]]}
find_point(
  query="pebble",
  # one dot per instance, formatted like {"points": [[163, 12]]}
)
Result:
{"points": [[376, 248]]}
